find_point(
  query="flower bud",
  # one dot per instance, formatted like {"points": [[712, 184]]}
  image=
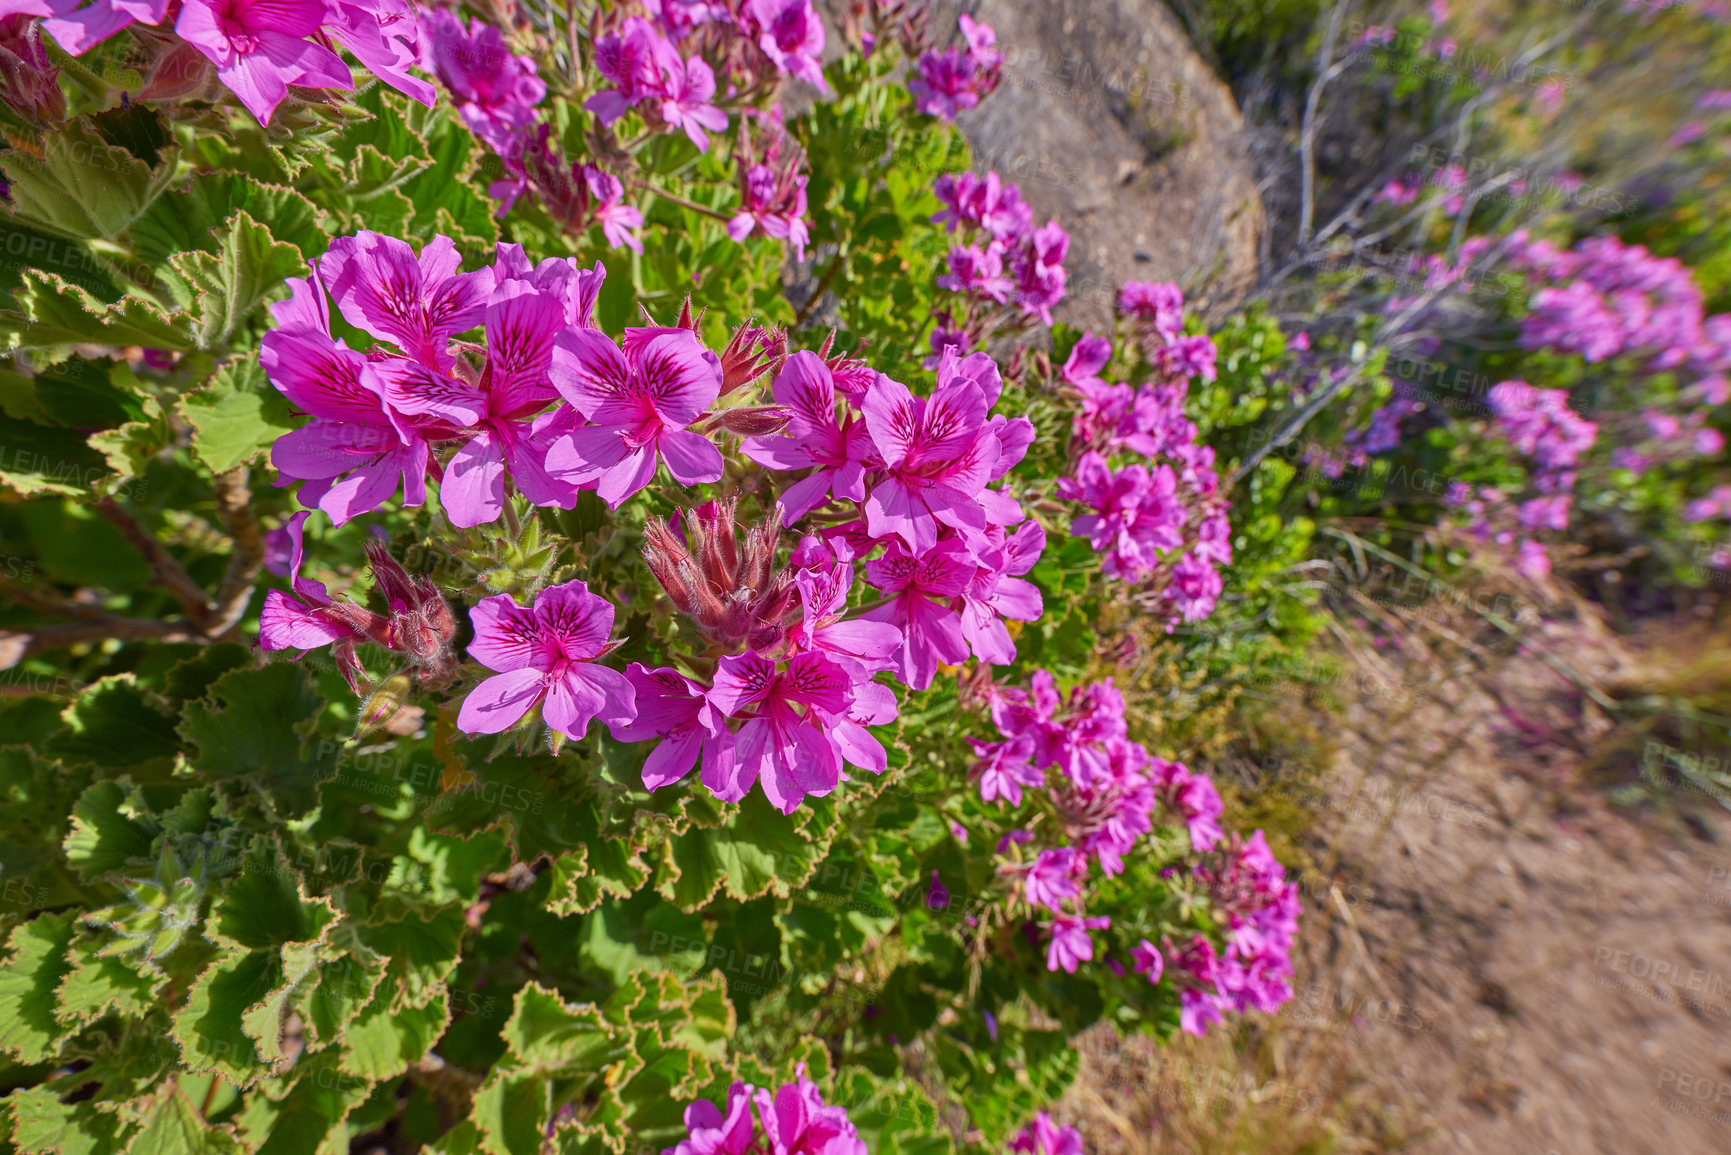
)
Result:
{"points": [[750, 420], [28, 82], [751, 353]]}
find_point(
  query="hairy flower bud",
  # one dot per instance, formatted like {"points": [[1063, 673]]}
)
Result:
{"points": [[748, 420], [751, 353], [730, 588], [28, 82]]}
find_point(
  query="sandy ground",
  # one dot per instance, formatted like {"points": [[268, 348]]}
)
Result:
{"points": [[1495, 961]]}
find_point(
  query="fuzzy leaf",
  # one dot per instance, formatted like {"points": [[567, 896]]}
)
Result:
{"points": [[183, 219], [381, 1043], [114, 723], [103, 838], [29, 980], [252, 722], [82, 186], [41, 1123], [97, 986], [238, 416], [52, 313], [210, 1028], [174, 1128], [229, 285]]}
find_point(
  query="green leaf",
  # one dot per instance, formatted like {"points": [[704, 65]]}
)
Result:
{"points": [[210, 1028], [103, 838], [82, 186], [183, 219], [237, 417], [259, 723], [43, 459], [42, 1123], [114, 723], [547, 1034], [756, 850], [343, 989], [53, 314], [265, 907], [97, 986], [307, 1120], [29, 979], [247, 269], [422, 952], [381, 1043], [174, 1128]]}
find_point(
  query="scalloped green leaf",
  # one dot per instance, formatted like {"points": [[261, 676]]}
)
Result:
{"points": [[237, 417], [259, 723], [173, 1127], [227, 288], [29, 981], [82, 186]]}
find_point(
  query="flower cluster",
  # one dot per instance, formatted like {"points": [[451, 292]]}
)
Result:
{"points": [[677, 66], [955, 79], [1160, 520], [378, 416], [1044, 1137], [1259, 909], [1007, 262], [1102, 800], [495, 91], [794, 1121], [1541, 427], [548, 406], [1107, 789], [256, 48]]}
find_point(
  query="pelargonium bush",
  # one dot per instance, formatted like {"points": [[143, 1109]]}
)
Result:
{"points": [[495, 672]]}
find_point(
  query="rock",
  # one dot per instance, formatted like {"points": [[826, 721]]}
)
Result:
{"points": [[1111, 123]]}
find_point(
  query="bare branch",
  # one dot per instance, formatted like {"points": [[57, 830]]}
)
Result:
{"points": [[165, 570], [234, 507], [1326, 70]]}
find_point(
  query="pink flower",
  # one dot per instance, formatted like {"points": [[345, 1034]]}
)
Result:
{"points": [[715, 1134], [997, 590], [1070, 945], [1004, 768], [685, 102], [983, 202], [676, 710], [939, 452], [384, 36], [1087, 357], [833, 448], [938, 895], [420, 303], [1054, 877], [791, 35], [1147, 960], [1135, 513], [1044, 1137], [797, 1122], [1197, 1011], [931, 630], [640, 400], [790, 750], [619, 222], [544, 657], [259, 48], [495, 91], [1157, 304], [357, 450]]}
